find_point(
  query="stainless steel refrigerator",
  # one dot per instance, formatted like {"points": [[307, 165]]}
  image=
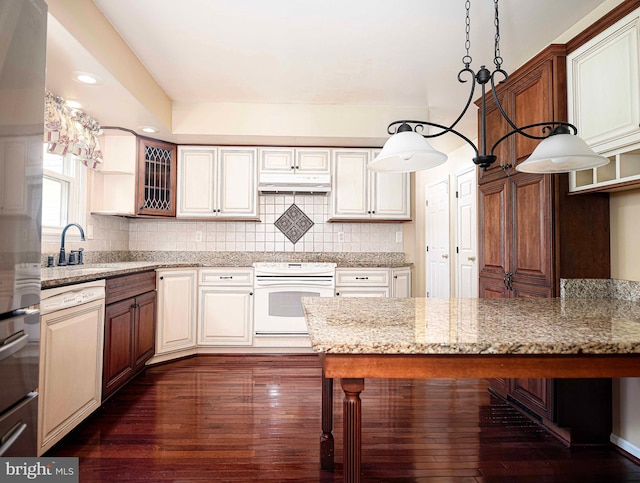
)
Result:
{"points": [[23, 26]]}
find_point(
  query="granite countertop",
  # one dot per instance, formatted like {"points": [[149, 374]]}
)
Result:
{"points": [[473, 326], [59, 276]]}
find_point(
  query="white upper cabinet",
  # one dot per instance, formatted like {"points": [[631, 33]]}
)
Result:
{"points": [[603, 81], [295, 160], [238, 180], [217, 182], [361, 194], [113, 189], [196, 181], [313, 161]]}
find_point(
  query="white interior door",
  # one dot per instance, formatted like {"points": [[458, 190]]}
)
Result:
{"points": [[437, 240], [466, 264]]}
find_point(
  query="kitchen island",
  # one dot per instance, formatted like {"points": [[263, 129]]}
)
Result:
{"points": [[360, 338]]}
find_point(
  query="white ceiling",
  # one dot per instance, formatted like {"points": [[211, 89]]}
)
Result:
{"points": [[309, 52]]}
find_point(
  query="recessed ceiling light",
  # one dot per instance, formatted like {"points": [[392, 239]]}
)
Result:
{"points": [[148, 129], [73, 104], [87, 78]]}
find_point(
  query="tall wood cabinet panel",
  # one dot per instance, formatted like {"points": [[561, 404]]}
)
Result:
{"points": [[531, 233]]}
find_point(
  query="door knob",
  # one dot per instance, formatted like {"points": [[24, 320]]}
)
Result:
{"points": [[471, 259], [445, 256]]}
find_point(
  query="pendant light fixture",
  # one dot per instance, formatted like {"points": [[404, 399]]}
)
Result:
{"points": [[561, 150]]}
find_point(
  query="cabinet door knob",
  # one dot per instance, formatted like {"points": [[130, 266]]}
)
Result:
{"points": [[250, 293], [293, 167], [337, 294], [161, 278], [395, 276]]}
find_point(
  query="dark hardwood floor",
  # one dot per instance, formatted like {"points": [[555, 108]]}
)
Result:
{"points": [[257, 418]]}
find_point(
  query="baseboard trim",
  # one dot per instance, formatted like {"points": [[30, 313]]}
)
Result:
{"points": [[625, 445]]}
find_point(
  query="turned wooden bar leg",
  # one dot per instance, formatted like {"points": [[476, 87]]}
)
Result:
{"points": [[352, 428], [326, 440]]}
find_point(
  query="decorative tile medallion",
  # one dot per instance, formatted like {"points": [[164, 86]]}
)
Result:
{"points": [[293, 223]]}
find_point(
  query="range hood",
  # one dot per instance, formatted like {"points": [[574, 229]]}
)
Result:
{"points": [[294, 183]]}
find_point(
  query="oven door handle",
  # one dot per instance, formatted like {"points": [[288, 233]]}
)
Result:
{"points": [[14, 346], [289, 282]]}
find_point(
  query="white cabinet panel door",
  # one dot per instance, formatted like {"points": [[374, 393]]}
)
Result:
{"points": [[603, 80], [176, 322], [276, 160], [313, 161], [225, 316], [238, 182], [70, 369], [390, 195], [401, 282], [196, 181], [350, 193]]}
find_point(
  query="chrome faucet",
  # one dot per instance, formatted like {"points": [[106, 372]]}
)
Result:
{"points": [[62, 258]]}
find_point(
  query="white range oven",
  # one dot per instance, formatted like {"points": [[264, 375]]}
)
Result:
{"points": [[279, 286]]}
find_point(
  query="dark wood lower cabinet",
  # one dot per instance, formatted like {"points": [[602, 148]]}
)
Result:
{"points": [[129, 340], [578, 411]]}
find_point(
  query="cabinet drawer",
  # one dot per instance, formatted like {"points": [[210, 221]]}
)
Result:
{"points": [[362, 276], [120, 288], [226, 276]]}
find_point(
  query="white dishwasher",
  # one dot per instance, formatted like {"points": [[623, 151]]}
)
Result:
{"points": [[71, 348]]}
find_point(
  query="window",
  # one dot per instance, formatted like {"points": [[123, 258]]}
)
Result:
{"points": [[63, 193]]}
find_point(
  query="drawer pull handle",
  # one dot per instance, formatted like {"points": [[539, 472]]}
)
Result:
{"points": [[12, 436], [226, 278], [362, 278]]}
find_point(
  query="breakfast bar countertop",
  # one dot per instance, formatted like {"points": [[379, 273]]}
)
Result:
{"points": [[473, 326]]}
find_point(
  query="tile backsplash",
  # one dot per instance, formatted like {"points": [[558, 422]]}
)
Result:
{"points": [[185, 235], [117, 234]]}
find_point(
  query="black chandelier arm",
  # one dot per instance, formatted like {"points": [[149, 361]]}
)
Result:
{"points": [[547, 130], [471, 92], [495, 96], [419, 126]]}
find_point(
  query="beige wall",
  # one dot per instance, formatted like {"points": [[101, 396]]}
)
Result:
{"points": [[625, 233], [625, 265]]}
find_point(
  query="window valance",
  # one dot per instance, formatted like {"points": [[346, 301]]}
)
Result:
{"points": [[71, 131]]}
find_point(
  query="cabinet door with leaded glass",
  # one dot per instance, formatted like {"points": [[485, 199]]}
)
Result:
{"points": [[156, 178]]}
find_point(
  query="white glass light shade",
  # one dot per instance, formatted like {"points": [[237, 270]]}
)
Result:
{"points": [[561, 153], [405, 152]]}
